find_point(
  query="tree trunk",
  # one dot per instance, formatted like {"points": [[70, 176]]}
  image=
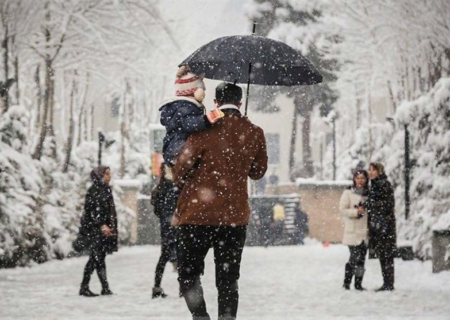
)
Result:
{"points": [[447, 57], [306, 133], [391, 95], [86, 125], [5, 66], [293, 140], [369, 107], [82, 113], [37, 79], [69, 143], [91, 132], [16, 69], [37, 154], [51, 104], [122, 148], [16, 78]]}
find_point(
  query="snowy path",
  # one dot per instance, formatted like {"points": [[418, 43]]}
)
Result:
{"points": [[276, 283]]}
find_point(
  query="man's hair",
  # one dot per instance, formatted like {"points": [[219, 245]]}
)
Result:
{"points": [[377, 166], [228, 93]]}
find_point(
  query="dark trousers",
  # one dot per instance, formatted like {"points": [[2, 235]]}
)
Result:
{"points": [[355, 266], [193, 245], [168, 253], [387, 270], [357, 256], [96, 262]]}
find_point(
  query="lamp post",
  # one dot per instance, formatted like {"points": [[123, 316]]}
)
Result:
{"points": [[407, 172], [407, 167], [334, 147], [102, 140]]}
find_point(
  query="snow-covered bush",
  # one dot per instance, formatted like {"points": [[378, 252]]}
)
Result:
{"points": [[40, 205], [21, 229], [429, 123]]}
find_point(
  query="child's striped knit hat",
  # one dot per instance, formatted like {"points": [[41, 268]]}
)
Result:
{"points": [[187, 83]]}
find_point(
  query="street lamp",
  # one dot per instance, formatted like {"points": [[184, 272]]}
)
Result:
{"points": [[407, 172], [334, 147], [407, 168], [101, 140]]}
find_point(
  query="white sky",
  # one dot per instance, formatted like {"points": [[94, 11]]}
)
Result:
{"points": [[197, 22]]}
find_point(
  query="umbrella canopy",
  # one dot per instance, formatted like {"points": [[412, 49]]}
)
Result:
{"points": [[252, 59]]}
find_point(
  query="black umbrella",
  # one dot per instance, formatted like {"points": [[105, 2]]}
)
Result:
{"points": [[252, 59]]}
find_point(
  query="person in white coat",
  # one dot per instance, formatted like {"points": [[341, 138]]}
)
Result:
{"points": [[352, 208]]}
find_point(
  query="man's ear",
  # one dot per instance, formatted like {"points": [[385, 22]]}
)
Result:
{"points": [[239, 105]]}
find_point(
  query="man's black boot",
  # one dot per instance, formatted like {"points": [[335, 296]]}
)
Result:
{"points": [[359, 275]]}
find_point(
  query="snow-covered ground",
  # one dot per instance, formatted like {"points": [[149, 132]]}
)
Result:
{"points": [[276, 283]]}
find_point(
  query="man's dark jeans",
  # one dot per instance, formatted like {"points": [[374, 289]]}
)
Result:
{"points": [[193, 245]]}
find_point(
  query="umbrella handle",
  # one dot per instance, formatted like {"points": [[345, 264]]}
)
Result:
{"points": [[249, 73], [248, 86]]}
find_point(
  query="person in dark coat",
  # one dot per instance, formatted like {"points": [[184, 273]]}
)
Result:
{"points": [[382, 230], [98, 230], [300, 223], [164, 200], [263, 219], [185, 114]]}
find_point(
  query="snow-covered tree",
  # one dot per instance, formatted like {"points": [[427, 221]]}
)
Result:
{"points": [[21, 230], [67, 58], [294, 22], [392, 54]]}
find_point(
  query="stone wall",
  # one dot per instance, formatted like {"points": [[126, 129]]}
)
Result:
{"points": [[320, 200], [129, 198]]}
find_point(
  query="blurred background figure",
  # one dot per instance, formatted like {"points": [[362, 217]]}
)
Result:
{"points": [[300, 223], [277, 226], [260, 186], [164, 199]]}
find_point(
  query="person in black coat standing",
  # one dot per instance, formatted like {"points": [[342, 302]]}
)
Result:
{"points": [[382, 230], [164, 199], [98, 231]]}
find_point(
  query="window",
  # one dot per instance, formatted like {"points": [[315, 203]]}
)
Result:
{"points": [[273, 147], [115, 107]]}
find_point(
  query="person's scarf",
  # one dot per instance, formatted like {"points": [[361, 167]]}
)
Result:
{"points": [[364, 192]]}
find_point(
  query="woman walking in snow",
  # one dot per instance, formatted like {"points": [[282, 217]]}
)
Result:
{"points": [[352, 209], [98, 231], [164, 200], [382, 230]]}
